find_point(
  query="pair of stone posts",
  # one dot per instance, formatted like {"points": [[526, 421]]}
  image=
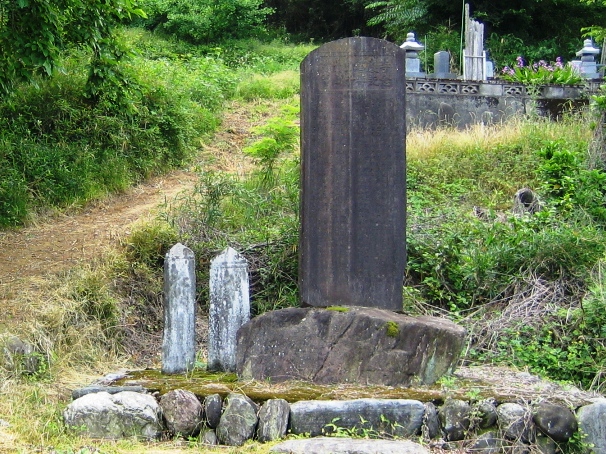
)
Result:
{"points": [[229, 309]]}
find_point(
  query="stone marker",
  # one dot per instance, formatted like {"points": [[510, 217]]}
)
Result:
{"points": [[229, 308], [179, 342], [353, 200]]}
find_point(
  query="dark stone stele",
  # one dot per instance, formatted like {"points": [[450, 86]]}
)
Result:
{"points": [[353, 174], [347, 345]]}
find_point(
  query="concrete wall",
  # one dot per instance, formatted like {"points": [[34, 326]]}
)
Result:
{"points": [[433, 102]]}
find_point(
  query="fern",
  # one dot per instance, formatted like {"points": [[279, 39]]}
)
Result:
{"points": [[397, 15]]}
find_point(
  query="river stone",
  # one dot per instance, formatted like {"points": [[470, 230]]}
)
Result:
{"points": [[486, 413], [238, 422], [514, 421], [555, 421], [545, 445], [455, 418], [208, 437], [431, 422], [487, 443], [323, 445], [348, 345], [20, 356], [182, 412], [115, 416], [592, 422], [213, 405], [273, 420], [397, 417]]}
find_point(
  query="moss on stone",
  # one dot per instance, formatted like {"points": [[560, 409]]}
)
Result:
{"points": [[392, 329], [338, 308]]}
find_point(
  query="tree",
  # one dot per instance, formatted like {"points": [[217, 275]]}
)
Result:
{"points": [[33, 32]]}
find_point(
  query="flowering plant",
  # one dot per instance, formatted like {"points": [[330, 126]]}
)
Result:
{"points": [[542, 73]]}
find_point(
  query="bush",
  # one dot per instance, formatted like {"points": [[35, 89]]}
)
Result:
{"points": [[57, 149], [206, 21]]}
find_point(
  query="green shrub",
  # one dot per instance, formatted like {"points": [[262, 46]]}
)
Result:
{"points": [[57, 149], [256, 215], [205, 21]]}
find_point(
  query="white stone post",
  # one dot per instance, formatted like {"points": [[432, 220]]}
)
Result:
{"points": [[229, 308], [179, 342]]}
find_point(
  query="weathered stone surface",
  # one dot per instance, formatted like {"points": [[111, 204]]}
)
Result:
{"points": [[77, 393], [179, 338], [431, 422], [209, 437], [324, 445], [526, 201], [182, 412], [126, 414], [353, 200], [213, 406], [350, 345], [592, 422], [398, 417], [514, 421], [229, 308], [486, 413], [20, 356], [487, 443], [273, 420], [455, 418], [238, 422], [545, 445], [555, 421]]}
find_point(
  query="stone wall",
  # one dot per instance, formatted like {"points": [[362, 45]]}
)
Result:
{"points": [[432, 102], [483, 425]]}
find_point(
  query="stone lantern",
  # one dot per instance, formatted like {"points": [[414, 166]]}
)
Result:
{"points": [[588, 66], [413, 62]]}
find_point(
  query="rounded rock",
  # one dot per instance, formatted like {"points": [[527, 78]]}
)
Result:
{"points": [[555, 421], [182, 412]]}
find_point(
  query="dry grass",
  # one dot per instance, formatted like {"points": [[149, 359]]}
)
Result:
{"points": [[424, 143]]}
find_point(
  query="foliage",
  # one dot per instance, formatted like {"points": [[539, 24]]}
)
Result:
{"points": [[398, 16], [58, 150], [256, 215], [207, 21], [569, 186], [542, 73], [33, 32]]}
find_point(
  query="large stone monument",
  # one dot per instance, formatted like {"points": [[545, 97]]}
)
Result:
{"points": [[353, 199], [352, 245]]}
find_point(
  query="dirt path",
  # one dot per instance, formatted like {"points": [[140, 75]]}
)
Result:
{"points": [[60, 243]]}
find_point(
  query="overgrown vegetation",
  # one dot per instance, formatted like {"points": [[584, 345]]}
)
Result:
{"points": [[529, 288]]}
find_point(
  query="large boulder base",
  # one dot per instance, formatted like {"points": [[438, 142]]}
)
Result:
{"points": [[348, 345]]}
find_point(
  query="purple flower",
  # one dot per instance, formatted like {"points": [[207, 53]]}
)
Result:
{"points": [[507, 70], [520, 62], [559, 63]]}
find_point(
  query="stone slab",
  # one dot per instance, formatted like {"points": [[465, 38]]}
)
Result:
{"points": [[323, 445], [353, 198]]}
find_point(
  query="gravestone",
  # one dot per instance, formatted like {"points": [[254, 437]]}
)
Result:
{"points": [[229, 308], [353, 201], [179, 341]]}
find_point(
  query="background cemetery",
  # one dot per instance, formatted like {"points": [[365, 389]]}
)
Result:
{"points": [[528, 288]]}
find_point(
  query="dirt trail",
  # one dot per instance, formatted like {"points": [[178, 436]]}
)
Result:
{"points": [[60, 243]]}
